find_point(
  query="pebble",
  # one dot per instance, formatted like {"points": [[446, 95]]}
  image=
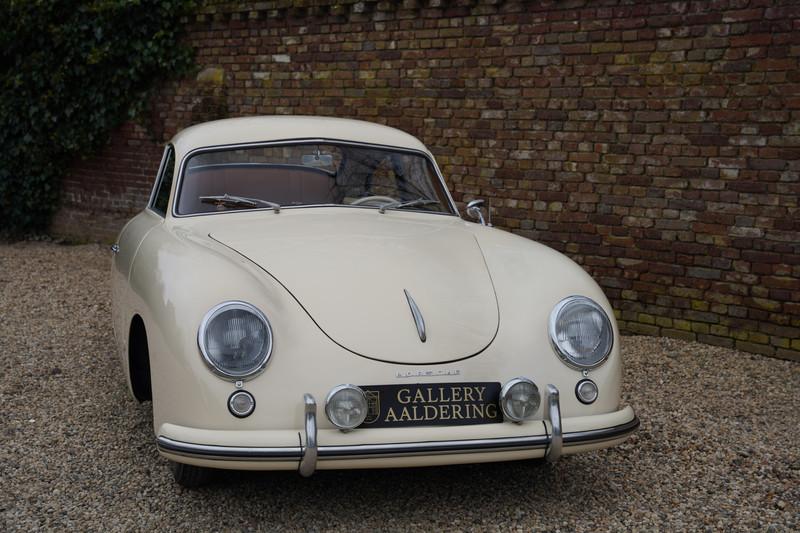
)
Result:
{"points": [[717, 448]]}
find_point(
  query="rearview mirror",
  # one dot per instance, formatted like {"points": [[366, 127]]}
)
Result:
{"points": [[318, 160], [474, 211]]}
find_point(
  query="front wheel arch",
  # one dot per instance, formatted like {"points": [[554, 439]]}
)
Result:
{"points": [[139, 361]]}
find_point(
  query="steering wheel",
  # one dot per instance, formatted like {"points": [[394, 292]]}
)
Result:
{"points": [[376, 201]]}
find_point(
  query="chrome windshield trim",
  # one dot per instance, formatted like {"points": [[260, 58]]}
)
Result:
{"points": [[397, 449], [311, 206], [169, 149], [319, 140], [417, 315], [157, 181]]}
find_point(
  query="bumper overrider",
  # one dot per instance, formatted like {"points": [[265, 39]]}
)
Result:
{"points": [[553, 441]]}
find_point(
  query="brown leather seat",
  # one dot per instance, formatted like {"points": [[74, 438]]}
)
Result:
{"points": [[282, 184]]}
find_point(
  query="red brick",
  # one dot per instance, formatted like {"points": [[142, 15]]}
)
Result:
{"points": [[752, 39], [743, 15], [654, 143]]}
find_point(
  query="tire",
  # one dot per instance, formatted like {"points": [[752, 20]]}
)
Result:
{"points": [[139, 361], [190, 476]]}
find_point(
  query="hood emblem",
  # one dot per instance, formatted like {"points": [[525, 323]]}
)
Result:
{"points": [[417, 316]]}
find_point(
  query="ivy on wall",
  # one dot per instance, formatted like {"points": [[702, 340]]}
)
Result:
{"points": [[70, 73]]}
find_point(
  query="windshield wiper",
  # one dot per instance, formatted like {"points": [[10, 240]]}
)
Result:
{"points": [[410, 203], [239, 201]]}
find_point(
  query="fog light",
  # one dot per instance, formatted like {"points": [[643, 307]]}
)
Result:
{"points": [[241, 404], [586, 391], [346, 406], [519, 399]]}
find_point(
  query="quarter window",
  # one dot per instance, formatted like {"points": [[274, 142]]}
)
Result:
{"points": [[161, 201]]}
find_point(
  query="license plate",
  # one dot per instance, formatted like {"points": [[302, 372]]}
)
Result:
{"points": [[434, 404]]}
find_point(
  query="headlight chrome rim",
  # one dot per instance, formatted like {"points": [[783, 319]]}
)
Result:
{"points": [[564, 356], [201, 335], [330, 396], [504, 397]]}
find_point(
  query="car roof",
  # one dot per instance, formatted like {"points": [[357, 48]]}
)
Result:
{"points": [[289, 127]]}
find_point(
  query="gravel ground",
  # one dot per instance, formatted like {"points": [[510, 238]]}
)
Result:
{"points": [[717, 448]]}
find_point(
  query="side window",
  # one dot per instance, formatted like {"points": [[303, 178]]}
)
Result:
{"points": [[161, 200]]}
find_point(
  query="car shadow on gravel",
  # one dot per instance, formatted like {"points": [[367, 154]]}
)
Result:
{"points": [[489, 491], [469, 495], [498, 491]]}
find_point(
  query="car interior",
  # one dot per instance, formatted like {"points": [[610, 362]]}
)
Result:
{"points": [[279, 183]]}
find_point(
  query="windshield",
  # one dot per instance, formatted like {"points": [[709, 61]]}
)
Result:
{"points": [[309, 174]]}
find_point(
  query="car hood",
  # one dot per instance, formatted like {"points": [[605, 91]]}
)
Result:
{"points": [[351, 269]]}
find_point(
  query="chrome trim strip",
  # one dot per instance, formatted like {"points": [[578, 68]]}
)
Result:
{"points": [[236, 453], [399, 449], [553, 415], [312, 206], [434, 447], [157, 181], [216, 148], [308, 464], [418, 320], [589, 436]]}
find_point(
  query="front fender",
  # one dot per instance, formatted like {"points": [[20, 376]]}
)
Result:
{"points": [[127, 245], [176, 277], [529, 280]]}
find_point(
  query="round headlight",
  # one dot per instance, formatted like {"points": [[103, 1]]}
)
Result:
{"points": [[581, 332], [519, 399], [235, 339], [346, 406]]}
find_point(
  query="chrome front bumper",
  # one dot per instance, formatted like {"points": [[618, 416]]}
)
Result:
{"points": [[553, 442]]}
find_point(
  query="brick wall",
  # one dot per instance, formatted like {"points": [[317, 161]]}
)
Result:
{"points": [[100, 193], [656, 143]]}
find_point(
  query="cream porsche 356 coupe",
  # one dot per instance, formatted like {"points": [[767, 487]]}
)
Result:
{"points": [[301, 293]]}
